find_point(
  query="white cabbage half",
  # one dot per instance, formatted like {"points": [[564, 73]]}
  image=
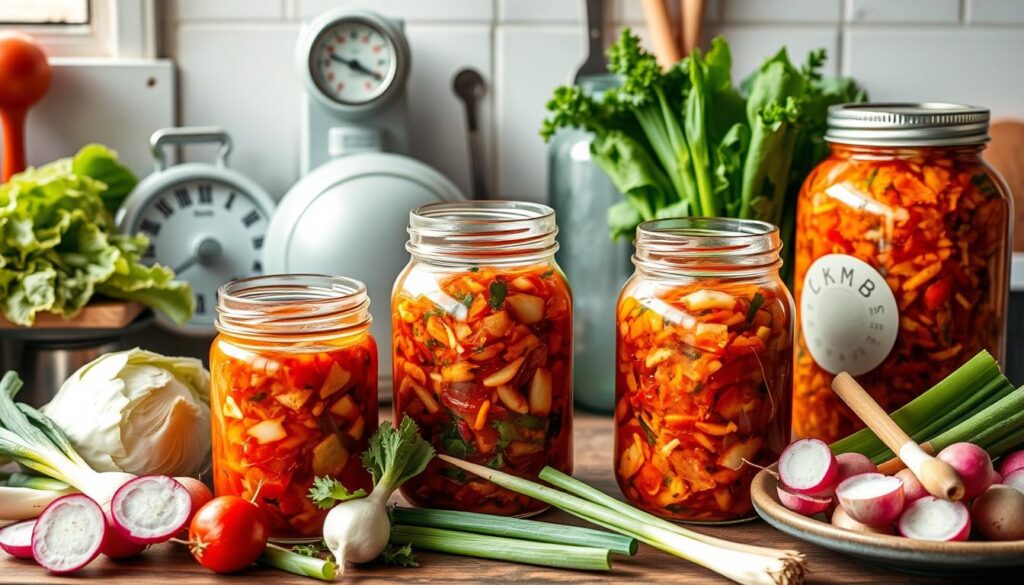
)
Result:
{"points": [[138, 412]]}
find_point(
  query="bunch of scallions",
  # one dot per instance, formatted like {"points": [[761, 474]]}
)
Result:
{"points": [[750, 565]]}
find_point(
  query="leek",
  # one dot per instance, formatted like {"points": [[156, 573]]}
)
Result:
{"points": [[503, 549], [285, 560], [514, 528], [38, 482], [735, 562]]}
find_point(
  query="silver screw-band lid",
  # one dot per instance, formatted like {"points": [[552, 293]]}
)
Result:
{"points": [[907, 124]]}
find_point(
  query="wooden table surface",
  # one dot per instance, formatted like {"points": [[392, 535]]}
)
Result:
{"points": [[170, 563]]}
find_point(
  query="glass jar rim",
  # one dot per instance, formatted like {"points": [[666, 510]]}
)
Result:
{"points": [[708, 246], [492, 231], [307, 306]]}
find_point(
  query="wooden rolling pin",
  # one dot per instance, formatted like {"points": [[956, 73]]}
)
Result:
{"points": [[937, 476]]}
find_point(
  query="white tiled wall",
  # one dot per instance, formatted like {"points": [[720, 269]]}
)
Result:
{"points": [[235, 65]]}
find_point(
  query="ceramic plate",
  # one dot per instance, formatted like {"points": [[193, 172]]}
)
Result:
{"points": [[904, 554]]}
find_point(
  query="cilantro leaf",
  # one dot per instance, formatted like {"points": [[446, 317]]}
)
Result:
{"points": [[317, 550], [398, 556], [327, 491], [396, 454]]}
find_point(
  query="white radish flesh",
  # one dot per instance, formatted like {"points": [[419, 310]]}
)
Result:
{"points": [[807, 466], [998, 514], [150, 509], [802, 503], [68, 534], [847, 466], [972, 464], [16, 539], [931, 518], [912, 488], [840, 519], [872, 498], [1015, 479], [1011, 462]]}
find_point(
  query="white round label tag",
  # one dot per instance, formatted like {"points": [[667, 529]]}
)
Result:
{"points": [[848, 315]]}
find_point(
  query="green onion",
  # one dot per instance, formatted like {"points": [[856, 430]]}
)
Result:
{"points": [[937, 408], [285, 560], [503, 549], [734, 562], [514, 528]]}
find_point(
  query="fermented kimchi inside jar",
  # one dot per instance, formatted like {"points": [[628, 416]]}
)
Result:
{"points": [[704, 351], [293, 394], [482, 342], [902, 257]]}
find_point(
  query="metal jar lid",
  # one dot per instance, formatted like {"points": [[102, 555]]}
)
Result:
{"points": [[907, 124]]}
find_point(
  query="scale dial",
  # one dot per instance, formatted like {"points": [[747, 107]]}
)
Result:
{"points": [[353, 62], [209, 229]]}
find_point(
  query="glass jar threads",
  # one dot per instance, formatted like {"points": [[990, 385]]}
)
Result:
{"points": [[482, 342], [294, 393], [703, 367], [902, 257]]}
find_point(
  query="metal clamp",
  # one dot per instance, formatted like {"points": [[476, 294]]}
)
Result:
{"points": [[189, 135]]}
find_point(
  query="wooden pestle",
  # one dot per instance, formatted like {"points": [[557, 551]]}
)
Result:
{"points": [[937, 476]]}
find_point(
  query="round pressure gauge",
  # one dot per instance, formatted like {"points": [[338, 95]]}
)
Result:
{"points": [[205, 221], [352, 60]]}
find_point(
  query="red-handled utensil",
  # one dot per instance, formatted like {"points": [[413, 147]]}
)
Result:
{"points": [[24, 79]]}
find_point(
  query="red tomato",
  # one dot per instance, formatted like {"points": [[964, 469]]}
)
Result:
{"points": [[227, 534]]}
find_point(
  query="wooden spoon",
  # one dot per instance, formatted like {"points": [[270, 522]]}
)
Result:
{"points": [[691, 22], [24, 79], [937, 476], [665, 48]]}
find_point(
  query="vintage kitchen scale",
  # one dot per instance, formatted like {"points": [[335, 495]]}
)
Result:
{"points": [[348, 214]]}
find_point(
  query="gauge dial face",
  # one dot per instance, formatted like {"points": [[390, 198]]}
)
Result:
{"points": [[210, 232], [353, 62]]}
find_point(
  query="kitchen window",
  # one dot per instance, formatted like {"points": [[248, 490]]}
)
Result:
{"points": [[86, 28]]}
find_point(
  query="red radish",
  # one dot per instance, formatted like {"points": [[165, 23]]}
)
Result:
{"points": [[973, 465], [1011, 462], [931, 518], [199, 494], [997, 478], [16, 539], [68, 534], [912, 488], [1015, 479], [150, 509], [999, 513], [841, 519], [802, 503], [847, 466], [872, 498], [807, 466], [117, 546]]}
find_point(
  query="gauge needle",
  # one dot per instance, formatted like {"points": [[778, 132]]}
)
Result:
{"points": [[357, 66], [206, 252]]}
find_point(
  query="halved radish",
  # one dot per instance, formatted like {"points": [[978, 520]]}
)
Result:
{"points": [[912, 488], [841, 519], [1015, 479], [931, 518], [1011, 462], [150, 509], [116, 546], [807, 466], [16, 539], [972, 464], [68, 534], [802, 503], [872, 498], [847, 466]]}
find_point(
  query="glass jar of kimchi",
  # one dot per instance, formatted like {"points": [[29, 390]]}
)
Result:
{"points": [[902, 257], [703, 367], [294, 393], [482, 322]]}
